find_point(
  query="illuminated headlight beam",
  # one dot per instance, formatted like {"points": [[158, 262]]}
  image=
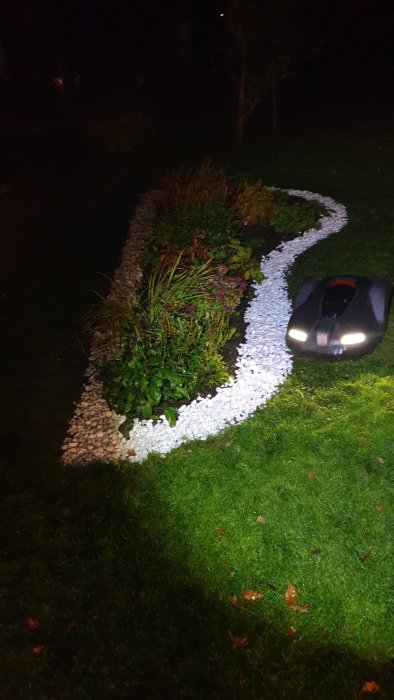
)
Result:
{"points": [[297, 334], [353, 338]]}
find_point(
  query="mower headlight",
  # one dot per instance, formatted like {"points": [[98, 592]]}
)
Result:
{"points": [[297, 334], [353, 338]]}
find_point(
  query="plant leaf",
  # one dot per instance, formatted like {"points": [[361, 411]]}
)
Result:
{"points": [[171, 414]]}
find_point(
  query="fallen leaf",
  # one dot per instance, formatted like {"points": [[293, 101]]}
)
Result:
{"points": [[233, 600], [310, 476], [316, 551], [238, 642], [251, 595], [379, 507], [350, 630], [381, 460], [366, 556], [38, 649], [369, 687], [261, 519], [291, 631], [220, 532], [131, 453], [291, 597], [32, 623]]}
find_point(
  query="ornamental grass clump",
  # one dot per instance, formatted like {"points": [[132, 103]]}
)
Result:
{"points": [[254, 204], [185, 316], [196, 200]]}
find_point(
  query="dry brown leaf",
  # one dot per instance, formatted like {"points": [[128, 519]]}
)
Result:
{"points": [[261, 519], [238, 642], [220, 532], [290, 595], [369, 687], [291, 598], [251, 595], [310, 476], [381, 460], [366, 556], [32, 623], [291, 631], [38, 649], [379, 507], [131, 453]]}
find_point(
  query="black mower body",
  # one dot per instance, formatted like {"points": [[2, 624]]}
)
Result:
{"points": [[342, 316]]}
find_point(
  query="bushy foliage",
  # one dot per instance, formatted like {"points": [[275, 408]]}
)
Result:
{"points": [[196, 201], [254, 204], [185, 316], [293, 217]]}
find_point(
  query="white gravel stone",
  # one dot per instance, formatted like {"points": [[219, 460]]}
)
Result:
{"points": [[263, 363]]}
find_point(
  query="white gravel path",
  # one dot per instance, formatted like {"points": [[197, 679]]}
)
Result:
{"points": [[264, 361]]}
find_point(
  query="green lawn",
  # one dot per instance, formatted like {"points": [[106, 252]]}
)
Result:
{"points": [[127, 581]]}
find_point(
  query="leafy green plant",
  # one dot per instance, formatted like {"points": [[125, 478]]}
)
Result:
{"points": [[240, 258], [293, 217], [184, 323]]}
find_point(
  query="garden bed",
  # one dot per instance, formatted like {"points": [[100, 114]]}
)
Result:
{"points": [[263, 361]]}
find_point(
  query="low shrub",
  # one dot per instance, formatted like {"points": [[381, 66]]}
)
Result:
{"points": [[292, 217], [185, 316]]}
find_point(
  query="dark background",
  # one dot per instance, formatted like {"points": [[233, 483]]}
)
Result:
{"points": [[145, 43]]}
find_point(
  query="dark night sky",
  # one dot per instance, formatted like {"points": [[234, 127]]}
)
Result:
{"points": [[46, 37]]}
